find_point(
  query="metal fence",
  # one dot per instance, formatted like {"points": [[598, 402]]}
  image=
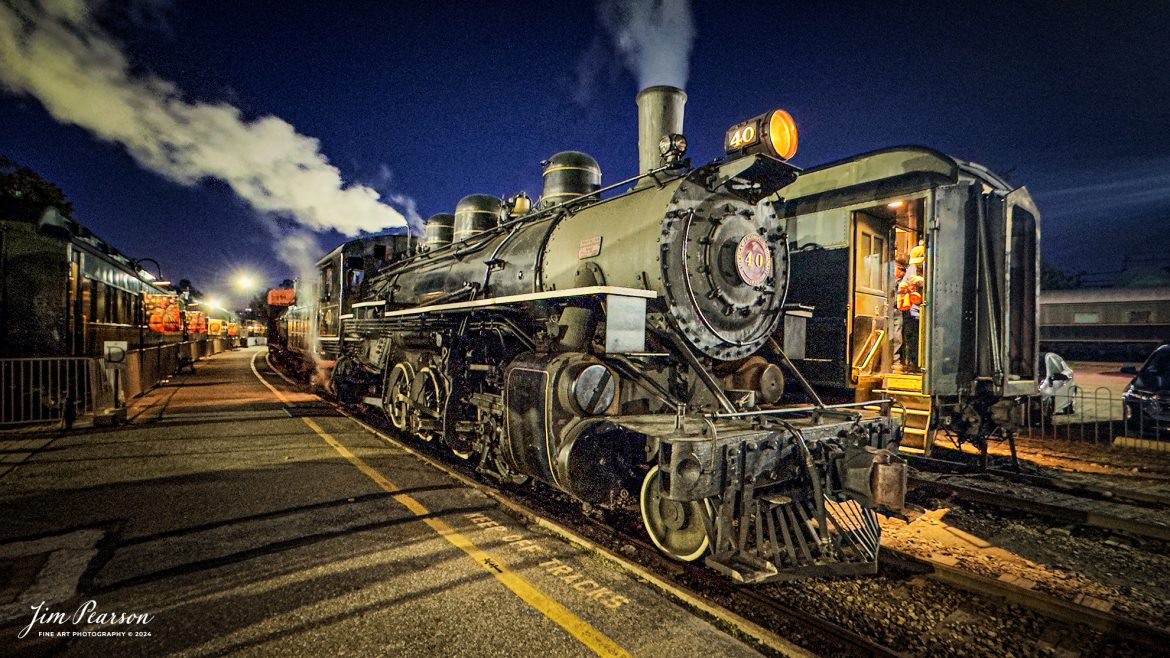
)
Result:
{"points": [[1100, 416], [151, 366], [48, 389], [40, 390]]}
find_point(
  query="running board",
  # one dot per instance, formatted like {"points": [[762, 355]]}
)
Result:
{"points": [[373, 402]]}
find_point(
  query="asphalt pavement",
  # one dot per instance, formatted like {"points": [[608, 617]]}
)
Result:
{"points": [[239, 515]]}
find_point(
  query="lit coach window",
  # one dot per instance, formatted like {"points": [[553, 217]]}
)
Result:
{"points": [[773, 133]]}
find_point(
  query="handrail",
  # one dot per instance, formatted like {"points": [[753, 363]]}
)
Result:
{"points": [[795, 410]]}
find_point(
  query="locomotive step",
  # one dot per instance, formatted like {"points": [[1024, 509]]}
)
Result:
{"points": [[904, 382], [894, 391]]}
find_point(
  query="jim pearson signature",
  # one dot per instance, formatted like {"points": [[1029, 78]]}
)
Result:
{"points": [[85, 613]]}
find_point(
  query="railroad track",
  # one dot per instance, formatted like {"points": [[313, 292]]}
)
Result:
{"points": [[751, 603], [1053, 483], [751, 609], [1053, 607], [852, 643], [1063, 513]]}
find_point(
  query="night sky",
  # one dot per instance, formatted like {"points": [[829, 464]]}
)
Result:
{"points": [[431, 101]]}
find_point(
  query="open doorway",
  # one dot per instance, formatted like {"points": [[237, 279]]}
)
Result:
{"points": [[884, 238]]}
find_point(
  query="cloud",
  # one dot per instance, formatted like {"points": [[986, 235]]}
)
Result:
{"points": [[54, 51], [1105, 190]]}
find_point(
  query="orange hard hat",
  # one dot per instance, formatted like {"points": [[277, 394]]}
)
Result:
{"points": [[918, 255]]}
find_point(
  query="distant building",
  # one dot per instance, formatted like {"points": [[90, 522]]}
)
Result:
{"points": [[1112, 324]]}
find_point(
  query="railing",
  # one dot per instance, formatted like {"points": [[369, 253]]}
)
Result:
{"points": [[39, 390], [1099, 416], [48, 389], [151, 366]]}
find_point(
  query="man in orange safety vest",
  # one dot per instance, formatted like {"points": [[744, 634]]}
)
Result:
{"points": [[909, 300]]}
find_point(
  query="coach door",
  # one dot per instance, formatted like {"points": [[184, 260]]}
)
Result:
{"points": [[1021, 313], [76, 323], [871, 291]]}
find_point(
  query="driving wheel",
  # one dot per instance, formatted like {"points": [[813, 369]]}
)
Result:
{"points": [[396, 395]]}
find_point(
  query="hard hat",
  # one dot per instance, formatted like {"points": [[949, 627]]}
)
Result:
{"points": [[918, 255]]}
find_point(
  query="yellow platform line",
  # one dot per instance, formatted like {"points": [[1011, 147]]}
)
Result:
{"points": [[592, 638], [583, 631]]}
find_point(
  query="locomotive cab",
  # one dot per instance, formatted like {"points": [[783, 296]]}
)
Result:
{"points": [[311, 327], [939, 308]]}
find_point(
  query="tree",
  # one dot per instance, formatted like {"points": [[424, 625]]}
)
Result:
{"points": [[257, 308], [1054, 279], [21, 185], [189, 291]]}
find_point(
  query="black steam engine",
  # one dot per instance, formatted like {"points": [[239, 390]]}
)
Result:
{"points": [[613, 346]]}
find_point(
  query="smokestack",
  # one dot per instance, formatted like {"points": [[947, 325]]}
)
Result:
{"points": [[660, 112]]}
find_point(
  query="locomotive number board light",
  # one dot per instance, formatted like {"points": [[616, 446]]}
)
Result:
{"points": [[773, 133]]}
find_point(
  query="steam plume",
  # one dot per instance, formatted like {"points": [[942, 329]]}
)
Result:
{"points": [[654, 38], [55, 51]]}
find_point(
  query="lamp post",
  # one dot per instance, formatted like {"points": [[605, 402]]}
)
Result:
{"points": [[246, 283]]}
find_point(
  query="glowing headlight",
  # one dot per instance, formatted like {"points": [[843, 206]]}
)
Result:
{"points": [[773, 133]]}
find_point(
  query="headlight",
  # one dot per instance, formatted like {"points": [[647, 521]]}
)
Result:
{"points": [[773, 133], [672, 147]]}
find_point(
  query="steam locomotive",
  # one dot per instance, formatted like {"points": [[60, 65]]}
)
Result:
{"points": [[620, 342]]}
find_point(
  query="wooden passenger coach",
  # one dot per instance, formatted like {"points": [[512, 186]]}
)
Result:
{"points": [[65, 294]]}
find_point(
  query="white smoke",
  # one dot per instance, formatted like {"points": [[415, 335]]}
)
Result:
{"points": [[654, 38], [299, 248], [55, 51]]}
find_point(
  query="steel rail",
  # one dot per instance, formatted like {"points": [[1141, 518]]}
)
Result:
{"points": [[752, 599], [1047, 605], [1050, 510], [857, 643], [1050, 482]]}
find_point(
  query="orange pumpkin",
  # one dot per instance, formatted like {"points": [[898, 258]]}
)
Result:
{"points": [[156, 322], [171, 322]]}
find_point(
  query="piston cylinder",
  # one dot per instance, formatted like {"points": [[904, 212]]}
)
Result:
{"points": [[439, 231], [569, 174], [476, 214]]}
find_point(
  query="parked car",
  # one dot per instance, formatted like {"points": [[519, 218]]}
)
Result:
{"points": [[1058, 389], [1147, 398]]}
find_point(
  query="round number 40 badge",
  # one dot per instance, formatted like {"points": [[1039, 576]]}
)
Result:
{"points": [[753, 259]]}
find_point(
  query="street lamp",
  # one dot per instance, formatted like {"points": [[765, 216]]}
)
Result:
{"points": [[245, 282]]}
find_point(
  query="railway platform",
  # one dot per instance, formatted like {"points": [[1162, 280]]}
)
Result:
{"points": [[236, 514]]}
